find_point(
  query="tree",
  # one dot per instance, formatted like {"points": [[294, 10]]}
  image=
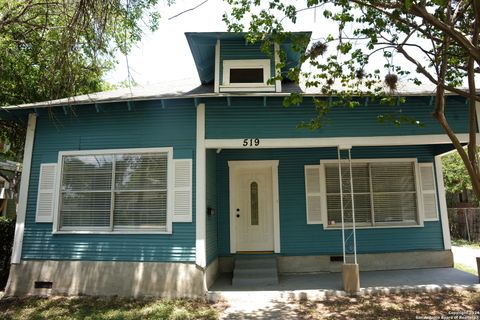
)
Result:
{"points": [[52, 49], [438, 39], [455, 175]]}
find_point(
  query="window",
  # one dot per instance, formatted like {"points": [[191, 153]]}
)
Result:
{"points": [[254, 204], [384, 193], [246, 75], [115, 191]]}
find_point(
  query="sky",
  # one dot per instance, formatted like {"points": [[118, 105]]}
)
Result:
{"points": [[164, 55]]}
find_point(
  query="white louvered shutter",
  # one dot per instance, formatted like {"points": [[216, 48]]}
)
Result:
{"points": [[46, 192], [182, 191], [312, 193], [428, 191]]}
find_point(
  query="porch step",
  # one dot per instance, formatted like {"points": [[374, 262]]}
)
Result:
{"points": [[255, 271]]}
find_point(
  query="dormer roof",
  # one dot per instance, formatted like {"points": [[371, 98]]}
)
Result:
{"points": [[202, 45]]}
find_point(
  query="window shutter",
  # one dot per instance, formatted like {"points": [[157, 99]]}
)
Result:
{"points": [[182, 191], [312, 194], [46, 192], [428, 191]]}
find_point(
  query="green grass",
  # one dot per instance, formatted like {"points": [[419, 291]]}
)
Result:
{"points": [[465, 268], [465, 243], [89, 308]]}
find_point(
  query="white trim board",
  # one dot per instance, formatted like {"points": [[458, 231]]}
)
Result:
{"points": [[270, 143], [447, 243], [216, 81], [273, 164], [278, 72], [23, 194], [200, 189]]}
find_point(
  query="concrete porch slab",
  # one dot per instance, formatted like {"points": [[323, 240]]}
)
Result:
{"points": [[318, 286]]}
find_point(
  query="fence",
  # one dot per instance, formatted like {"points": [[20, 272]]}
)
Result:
{"points": [[464, 223]]}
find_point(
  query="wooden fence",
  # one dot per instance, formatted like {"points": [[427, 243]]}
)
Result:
{"points": [[464, 223]]}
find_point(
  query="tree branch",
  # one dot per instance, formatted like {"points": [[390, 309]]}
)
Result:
{"points": [[472, 143], [423, 71]]}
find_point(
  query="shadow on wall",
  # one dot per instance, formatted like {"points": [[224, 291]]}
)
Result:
{"points": [[129, 279]]}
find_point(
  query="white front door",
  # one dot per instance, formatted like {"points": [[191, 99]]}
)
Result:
{"points": [[251, 207]]}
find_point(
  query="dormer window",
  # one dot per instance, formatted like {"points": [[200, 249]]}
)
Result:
{"points": [[246, 75]]}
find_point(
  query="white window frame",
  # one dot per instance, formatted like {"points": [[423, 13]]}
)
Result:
{"points": [[418, 189], [96, 230], [246, 64]]}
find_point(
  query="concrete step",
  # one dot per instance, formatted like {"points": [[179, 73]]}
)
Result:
{"points": [[256, 263], [255, 271], [253, 282]]}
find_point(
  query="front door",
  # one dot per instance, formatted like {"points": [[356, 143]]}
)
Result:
{"points": [[251, 207]]}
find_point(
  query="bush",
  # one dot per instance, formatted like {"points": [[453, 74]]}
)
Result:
{"points": [[7, 231]]}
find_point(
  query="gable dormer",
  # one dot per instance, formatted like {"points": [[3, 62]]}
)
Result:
{"points": [[231, 64]]}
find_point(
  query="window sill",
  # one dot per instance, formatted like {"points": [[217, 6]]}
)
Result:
{"points": [[379, 226], [111, 232], [247, 88]]}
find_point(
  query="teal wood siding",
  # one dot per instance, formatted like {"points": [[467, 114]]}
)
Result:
{"points": [[212, 221], [147, 125], [300, 238], [240, 50], [250, 118]]}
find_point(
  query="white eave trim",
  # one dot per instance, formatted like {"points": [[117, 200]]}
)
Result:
{"points": [[335, 141], [23, 194]]}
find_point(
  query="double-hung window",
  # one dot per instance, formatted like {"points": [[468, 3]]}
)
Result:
{"points": [[114, 191], [384, 193]]}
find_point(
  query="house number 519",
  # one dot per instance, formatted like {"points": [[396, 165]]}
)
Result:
{"points": [[251, 142]]}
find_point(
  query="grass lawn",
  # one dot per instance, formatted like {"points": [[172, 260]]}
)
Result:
{"points": [[465, 243], [105, 308], [402, 306], [465, 268]]}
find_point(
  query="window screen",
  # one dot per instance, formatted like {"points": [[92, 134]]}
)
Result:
{"points": [[114, 192], [384, 193], [246, 75]]}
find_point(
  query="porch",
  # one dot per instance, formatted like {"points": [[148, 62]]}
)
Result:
{"points": [[318, 286], [261, 201]]}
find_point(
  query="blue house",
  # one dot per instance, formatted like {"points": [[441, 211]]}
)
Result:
{"points": [[155, 192]]}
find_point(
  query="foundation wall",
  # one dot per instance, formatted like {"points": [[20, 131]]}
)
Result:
{"points": [[128, 279], [211, 273], [367, 262]]}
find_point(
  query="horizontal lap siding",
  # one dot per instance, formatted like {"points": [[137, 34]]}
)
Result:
{"points": [[249, 117], [299, 238], [114, 127], [212, 220]]}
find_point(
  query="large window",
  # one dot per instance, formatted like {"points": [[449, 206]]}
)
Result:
{"points": [[384, 193], [114, 191]]}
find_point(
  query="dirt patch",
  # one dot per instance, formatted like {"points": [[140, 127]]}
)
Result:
{"points": [[402, 306]]}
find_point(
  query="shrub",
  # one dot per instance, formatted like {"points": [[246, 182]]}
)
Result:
{"points": [[7, 231]]}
